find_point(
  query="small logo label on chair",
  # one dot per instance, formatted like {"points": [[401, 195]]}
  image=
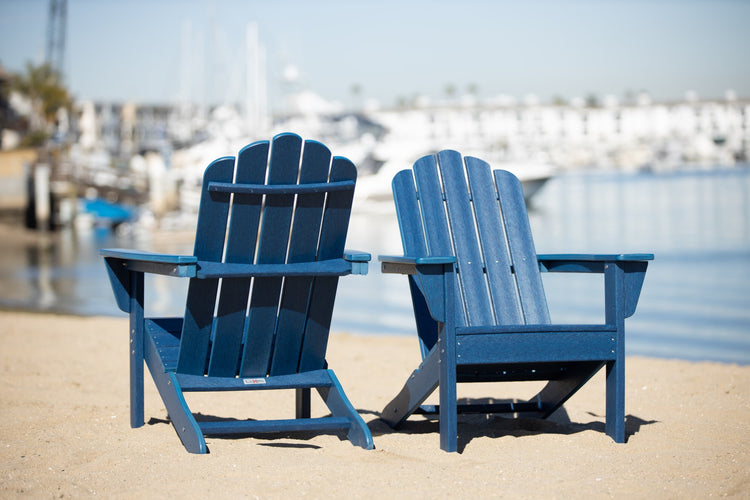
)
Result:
{"points": [[253, 381]]}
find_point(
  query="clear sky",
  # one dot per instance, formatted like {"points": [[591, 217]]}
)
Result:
{"points": [[160, 50]]}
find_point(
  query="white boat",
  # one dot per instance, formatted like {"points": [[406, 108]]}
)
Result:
{"points": [[376, 188]]}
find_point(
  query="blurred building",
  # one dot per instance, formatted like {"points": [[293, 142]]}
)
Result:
{"points": [[642, 134]]}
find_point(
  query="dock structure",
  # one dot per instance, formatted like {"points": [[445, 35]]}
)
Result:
{"points": [[41, 190]]}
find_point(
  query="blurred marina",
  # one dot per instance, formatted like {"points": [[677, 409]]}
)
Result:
{"points": [[695, 302], [600, 174], [114, 163]]}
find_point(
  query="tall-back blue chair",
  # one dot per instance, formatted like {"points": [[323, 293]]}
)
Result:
{"points": [[479, 304], [269, 250]]}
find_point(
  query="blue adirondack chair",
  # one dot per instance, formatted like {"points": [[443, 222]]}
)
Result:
{"points": [[269, 249], [479, 304]]}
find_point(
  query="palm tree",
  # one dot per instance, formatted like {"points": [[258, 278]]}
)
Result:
{"points": [[592, 101], [4, 105], [43, 87], [356, 90], [450, 91]]}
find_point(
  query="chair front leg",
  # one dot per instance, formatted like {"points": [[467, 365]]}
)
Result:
{"points": [[614, 425], [137, 326], [448, 394], [614, 298], [447, 356]]}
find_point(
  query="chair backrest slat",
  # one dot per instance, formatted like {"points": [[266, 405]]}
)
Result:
{"points": [[434, 216], [522, 250], [303, 247], [430, 194], [283, 168], [241, 238], [414, 243], [469, 261], [209, 245], [333, 229], [494, 242], [409, 214]]}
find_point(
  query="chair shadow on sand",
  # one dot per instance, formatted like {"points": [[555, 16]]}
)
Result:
{"points": [[269, 439], [472, 426]]}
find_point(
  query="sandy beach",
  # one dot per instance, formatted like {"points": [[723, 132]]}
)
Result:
{"points": [[65, 432]]}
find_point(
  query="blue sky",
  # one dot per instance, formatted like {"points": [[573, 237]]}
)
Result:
{"points": [[137, 50]]}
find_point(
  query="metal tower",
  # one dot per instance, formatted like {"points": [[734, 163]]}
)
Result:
{"points": [[55, 56]]}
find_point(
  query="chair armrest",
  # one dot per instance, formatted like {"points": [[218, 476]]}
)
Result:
{"points": [[632, 268], [357, 256], [433, 275], [405, 264], [360, 261], [586, 263], [125, 269], [149, 262]]}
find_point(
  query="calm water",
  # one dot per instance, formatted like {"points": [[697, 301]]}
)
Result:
{"points": [[695, 302]]}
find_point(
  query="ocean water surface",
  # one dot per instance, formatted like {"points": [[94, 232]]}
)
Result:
{"points": [[695, 302]]}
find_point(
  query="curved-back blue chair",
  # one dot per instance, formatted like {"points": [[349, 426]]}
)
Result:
{"points": [[269, 250], [479, 304]]}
